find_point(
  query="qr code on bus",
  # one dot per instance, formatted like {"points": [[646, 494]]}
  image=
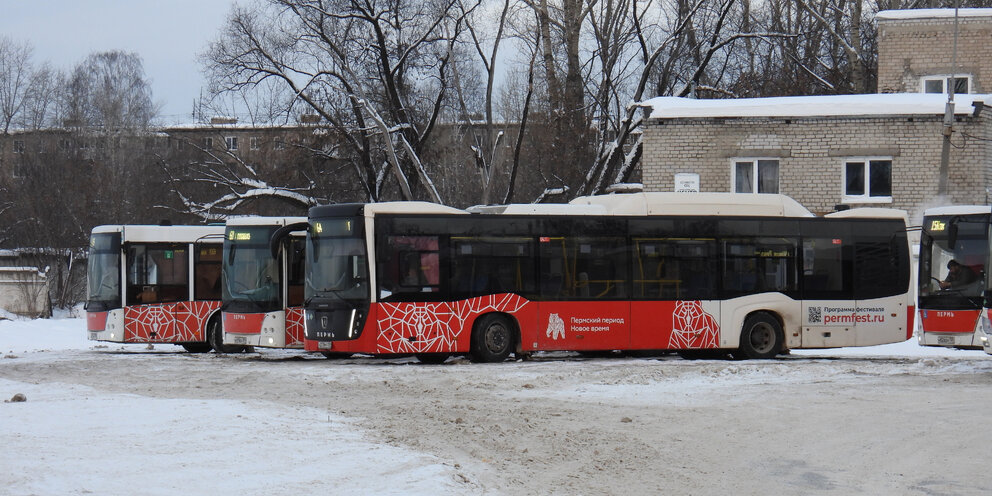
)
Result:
{"points": [[815, 316]]}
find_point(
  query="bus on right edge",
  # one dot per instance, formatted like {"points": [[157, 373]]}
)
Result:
{"points": [[954, 251]]}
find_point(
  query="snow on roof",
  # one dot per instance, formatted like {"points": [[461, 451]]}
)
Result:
{"points": [[957, 210], [177, 234], [410, 207], [882, 104], [254, 220], [871, 212], [538, 209], [887, 15], [659, 203]]}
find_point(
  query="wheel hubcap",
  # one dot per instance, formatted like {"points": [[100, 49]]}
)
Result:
{"points": [[762, 338], [496, 338]]}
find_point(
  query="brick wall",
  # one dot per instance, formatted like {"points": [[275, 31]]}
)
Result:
{"points": [[812, 151], [911, 48]]}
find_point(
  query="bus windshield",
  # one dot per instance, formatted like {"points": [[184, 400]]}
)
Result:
{"points": [[952, 276], [104, 272], [336, 261], [251, 274]]}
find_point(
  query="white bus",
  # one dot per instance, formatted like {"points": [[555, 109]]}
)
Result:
{"points": [[263, 285], [156, 284], [704, 274], [954, 253]]}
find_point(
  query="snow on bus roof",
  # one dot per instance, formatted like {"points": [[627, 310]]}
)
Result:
{"points": [[763, 205], [885, 15], [164, 234], [257, 220], [958, 210], [410, 207], [882, 104], [539, 209], [872, 212]]}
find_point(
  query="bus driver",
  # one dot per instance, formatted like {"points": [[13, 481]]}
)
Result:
{"points": [[958, 275]]}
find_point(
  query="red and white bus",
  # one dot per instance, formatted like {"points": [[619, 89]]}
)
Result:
{"points": [[156, 284], [752, 275], [263, 287], [954, 251]]}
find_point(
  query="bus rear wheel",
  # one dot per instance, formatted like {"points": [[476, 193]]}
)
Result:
{"points": [[761, 337], [492, 339]]}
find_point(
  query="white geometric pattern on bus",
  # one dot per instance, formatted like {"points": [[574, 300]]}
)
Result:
{"points": [[692, 327], [181, 322], [294, 327], [435, 327]]}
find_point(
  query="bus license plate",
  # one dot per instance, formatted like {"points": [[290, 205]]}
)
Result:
{"points": [[325, 345], [948, 340], [240, 340]]}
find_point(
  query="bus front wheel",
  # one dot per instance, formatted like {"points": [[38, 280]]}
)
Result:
{"points": [[215, 336], [761, 337], [492, 339]]}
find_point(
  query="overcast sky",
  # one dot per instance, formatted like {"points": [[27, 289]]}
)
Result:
{"points": [[167, 34]]}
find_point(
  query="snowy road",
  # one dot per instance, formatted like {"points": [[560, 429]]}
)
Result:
{"points": [[895, 419]]}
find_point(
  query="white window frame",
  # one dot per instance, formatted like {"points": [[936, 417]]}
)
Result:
{"points": [[231, 142], [18, 146], [943, 78], [208, 143], [253, 143], [754, 176], [866, 197]]}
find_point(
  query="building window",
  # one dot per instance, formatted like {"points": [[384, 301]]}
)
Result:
{"points": [[208, 143], [280, 145], [253, 143], [231, 142], [868, 180], [755, 176], [938, 84], [18, 146]]}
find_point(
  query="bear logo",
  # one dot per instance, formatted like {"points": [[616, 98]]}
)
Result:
{"points": [[556, 327]]}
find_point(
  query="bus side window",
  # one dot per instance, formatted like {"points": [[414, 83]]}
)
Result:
{"points": [[826, 269], [206, 270], [409, 265], [295, 276]]}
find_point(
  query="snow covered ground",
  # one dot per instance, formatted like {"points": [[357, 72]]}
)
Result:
{"points": [[71, 439], [110, 419]]}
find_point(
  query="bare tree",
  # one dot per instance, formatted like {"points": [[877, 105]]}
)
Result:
{"points": [[109, 91], [692, 55], [41, 105], [15, 80], [377, 74]]}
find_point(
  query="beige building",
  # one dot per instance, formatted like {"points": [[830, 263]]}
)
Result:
{"points": [[879, 150], [915, 50], [824, 151]]}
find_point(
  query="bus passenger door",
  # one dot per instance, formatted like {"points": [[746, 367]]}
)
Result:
{"points": [[828, 291], [585, 293]]}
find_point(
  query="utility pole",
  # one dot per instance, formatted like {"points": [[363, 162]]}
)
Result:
{"points": [[945, 150]]}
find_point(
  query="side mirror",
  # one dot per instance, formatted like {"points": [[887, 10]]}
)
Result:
{"points": [[275, 242]]}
